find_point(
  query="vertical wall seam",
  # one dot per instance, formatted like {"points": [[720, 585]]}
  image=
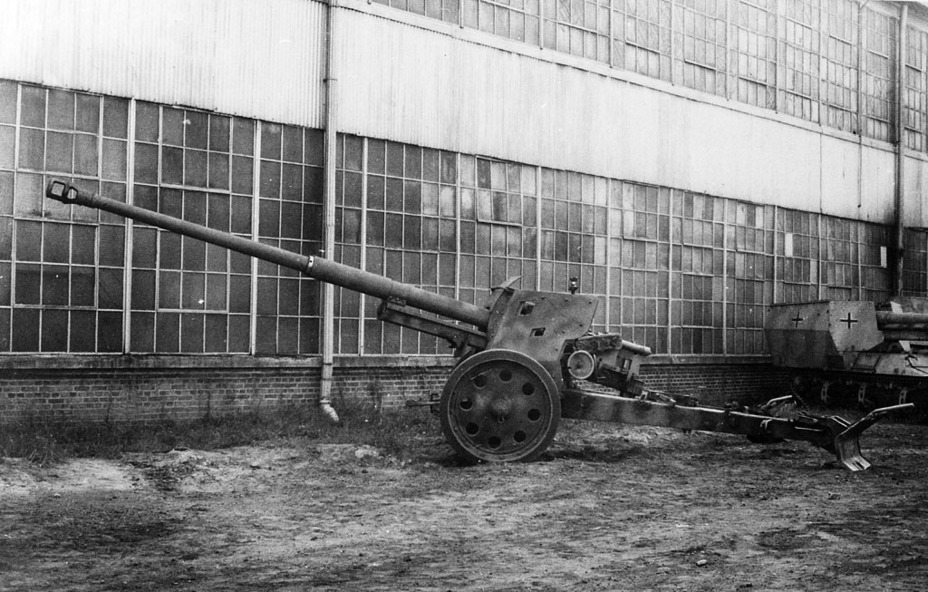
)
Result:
{"points": [[130, 228], [255, 219]]}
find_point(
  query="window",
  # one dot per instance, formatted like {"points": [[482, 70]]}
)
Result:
{"points": [[840, 276], [290, 217], [915, 279], [573, 226], [798, 73], [680, 272], [187, 296], [642, 40], [499, 225], [839, 60], [916, 89], [513, 19], [698, 274], [578, 27], [64, 290], [349, 198], [411, 234], [701, 43], [190, 297], [878, 97], [643, 267], [446, 10], [875, 275], [754, 52], [797, 256], [749, 275]]}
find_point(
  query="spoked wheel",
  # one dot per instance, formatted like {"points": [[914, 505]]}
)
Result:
{"points": [[500, 406]]}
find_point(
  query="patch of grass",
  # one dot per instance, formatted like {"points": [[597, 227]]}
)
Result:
{"points": [[45, 443]]}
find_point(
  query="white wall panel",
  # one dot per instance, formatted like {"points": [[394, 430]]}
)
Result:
{"points": [[878, 185], [259, 58], [410, 84], [916, 187], [842, 180]]}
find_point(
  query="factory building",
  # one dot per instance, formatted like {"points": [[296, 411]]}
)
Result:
{"points": [[688, 162]]}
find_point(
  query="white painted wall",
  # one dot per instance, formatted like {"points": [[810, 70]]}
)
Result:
{"points": [[257, 58]]}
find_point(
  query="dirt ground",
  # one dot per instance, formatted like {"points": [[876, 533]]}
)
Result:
{"points": [[608, 507]]}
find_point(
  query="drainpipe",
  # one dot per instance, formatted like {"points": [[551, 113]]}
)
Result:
{"points": [[900, 151], [328, 297]]}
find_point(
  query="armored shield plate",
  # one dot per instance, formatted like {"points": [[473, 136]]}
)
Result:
{"points": [[538, 323]]}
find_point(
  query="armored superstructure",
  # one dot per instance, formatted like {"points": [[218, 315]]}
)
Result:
{"points": [[854, 353]]}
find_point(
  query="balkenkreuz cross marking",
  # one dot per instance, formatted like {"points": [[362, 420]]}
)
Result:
{"points": [[849, 321], [796, 320]]}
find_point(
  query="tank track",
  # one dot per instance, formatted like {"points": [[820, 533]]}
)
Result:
{"points": [[851, 390]]}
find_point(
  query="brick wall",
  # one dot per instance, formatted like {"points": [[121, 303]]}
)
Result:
{"points": [[147, 394], [717, 384]]}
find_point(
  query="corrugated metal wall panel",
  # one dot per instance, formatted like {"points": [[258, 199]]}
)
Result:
{"points": [[410, 84], [259, 58], [916, 186]]}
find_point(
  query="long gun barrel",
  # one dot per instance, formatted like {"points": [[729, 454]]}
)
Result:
{"points": [[314, 267], [903, 326]]}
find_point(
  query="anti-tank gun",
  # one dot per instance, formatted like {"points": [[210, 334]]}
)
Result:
{"points": [[526, 359]]}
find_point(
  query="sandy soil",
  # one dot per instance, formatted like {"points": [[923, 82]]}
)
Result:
{"points": [[607, 508]]}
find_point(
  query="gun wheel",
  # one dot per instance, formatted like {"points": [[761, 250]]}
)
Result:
{"points": [[500, 406]]}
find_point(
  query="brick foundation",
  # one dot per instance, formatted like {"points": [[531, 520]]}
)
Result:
{"points": [[142, 391], [746, 382]]}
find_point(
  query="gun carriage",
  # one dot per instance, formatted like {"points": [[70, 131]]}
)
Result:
{"points": [[526, 359]]}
